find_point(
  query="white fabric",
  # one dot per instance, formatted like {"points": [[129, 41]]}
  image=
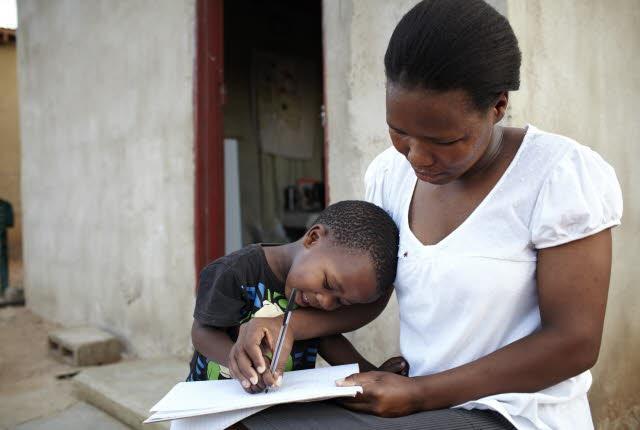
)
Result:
{"points": [[475, 291]]}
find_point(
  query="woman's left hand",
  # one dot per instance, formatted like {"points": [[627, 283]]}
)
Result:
{"points": [[384, 394]]}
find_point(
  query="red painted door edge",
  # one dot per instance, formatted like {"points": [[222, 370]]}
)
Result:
{"points": [[209, 150]]}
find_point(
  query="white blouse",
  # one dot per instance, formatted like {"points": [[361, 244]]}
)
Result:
{"points": [[475, 291]]}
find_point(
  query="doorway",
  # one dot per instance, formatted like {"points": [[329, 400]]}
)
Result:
{"points": [[272, 119], [264, 174]]}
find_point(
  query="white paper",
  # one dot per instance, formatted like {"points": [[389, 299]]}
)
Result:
{"points": [[218, 421], [189, 399]]}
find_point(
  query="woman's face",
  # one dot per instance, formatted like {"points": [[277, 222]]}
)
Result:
{"points": [[442, 135]]}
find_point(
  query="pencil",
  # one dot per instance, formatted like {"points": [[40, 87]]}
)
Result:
{"points": [[283, 332]]}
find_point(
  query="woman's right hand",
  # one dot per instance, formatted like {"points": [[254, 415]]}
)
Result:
{"points": [[247, 360]]}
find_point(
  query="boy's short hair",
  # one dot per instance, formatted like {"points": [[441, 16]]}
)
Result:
{"points": [[365, 227]]}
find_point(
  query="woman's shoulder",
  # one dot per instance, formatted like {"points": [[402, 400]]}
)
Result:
{"points": [[578, 192], [388, 160], [386, 178], [389, 167], [552, 149], [543, 154]]}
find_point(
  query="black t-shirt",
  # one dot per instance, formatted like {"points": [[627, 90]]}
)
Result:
{"points": [[231, 290]]}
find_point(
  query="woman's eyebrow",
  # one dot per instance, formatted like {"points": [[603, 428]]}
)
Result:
{"points": [[436, 139], [392, 126]]}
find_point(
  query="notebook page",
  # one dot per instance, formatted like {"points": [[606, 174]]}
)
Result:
{"points": [[214, 421], [196, 398]]}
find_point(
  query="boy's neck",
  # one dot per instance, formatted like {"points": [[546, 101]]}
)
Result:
{"points": [[280, 258]]}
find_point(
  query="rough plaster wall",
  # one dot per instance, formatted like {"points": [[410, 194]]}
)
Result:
{"points": [[10, 147], [107, 166], [356, 34], [581, 78]]}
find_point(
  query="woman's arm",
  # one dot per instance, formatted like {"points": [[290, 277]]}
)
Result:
{"points": [[246, 354], [573, 283]]}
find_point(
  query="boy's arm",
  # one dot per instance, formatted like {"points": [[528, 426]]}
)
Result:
{"points": [[215, 344], [212, 342], [337, 349]]}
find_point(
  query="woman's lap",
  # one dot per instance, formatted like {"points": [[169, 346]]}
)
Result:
{"points": [[326, 415]]}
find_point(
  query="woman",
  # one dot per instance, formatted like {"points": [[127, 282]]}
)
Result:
{"points": [[505, 244]]}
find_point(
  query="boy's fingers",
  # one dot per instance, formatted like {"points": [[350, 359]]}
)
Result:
{"points": [[395, 366], [261, 385], [246, 369], [268, 339], [236, 374], [254, 351], [269, 378]]}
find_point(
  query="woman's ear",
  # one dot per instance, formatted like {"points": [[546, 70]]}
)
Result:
{"points": [[499, 109], [314, 234]]}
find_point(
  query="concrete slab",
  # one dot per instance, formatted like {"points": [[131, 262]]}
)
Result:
{"points": [[80, 416], [127, 390], [84, 346]]}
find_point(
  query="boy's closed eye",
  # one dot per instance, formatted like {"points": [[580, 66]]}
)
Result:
{"points": [[341, 300]]}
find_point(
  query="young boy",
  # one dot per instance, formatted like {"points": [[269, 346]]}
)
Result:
{"points": [[349, 256]]}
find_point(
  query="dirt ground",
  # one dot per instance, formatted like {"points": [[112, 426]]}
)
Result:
{"points": [[16, 273], [32, 385]]}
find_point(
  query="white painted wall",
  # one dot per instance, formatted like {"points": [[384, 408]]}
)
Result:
{"points": [[106, 115]]}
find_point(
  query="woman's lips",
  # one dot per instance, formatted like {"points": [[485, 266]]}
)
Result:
{"points": [[426, 176]]}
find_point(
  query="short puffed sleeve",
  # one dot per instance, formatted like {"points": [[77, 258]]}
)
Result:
{"points": [[375, 177], [580, 197]]}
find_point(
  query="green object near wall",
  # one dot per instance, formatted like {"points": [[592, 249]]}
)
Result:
{"points": [[6, 221]]}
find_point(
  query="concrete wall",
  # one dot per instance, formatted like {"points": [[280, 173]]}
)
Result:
{"points": [[107, 166], [10, 147], [581, 78]]}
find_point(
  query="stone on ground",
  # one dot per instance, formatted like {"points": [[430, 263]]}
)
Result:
{"points": [[84, 346]]}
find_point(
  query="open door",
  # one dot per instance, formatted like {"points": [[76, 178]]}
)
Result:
{"points": [[272, 97], [209, 153]]}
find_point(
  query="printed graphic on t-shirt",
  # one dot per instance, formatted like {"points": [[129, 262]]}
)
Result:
{"points": [[303, 354]]}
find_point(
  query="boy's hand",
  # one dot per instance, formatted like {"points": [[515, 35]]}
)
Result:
{"points": [[397, 365], [247, 360]]}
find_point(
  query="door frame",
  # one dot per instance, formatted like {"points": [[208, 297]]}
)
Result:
{"points": [[209, 225]]}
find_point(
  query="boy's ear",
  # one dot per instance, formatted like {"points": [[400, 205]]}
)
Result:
{"points": [[314, 234]]}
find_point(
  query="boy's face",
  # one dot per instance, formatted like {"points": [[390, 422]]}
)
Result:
{"points": [[328, 276]]}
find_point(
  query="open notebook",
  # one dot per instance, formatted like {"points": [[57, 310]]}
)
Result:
{"points": [[225, 402]]}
